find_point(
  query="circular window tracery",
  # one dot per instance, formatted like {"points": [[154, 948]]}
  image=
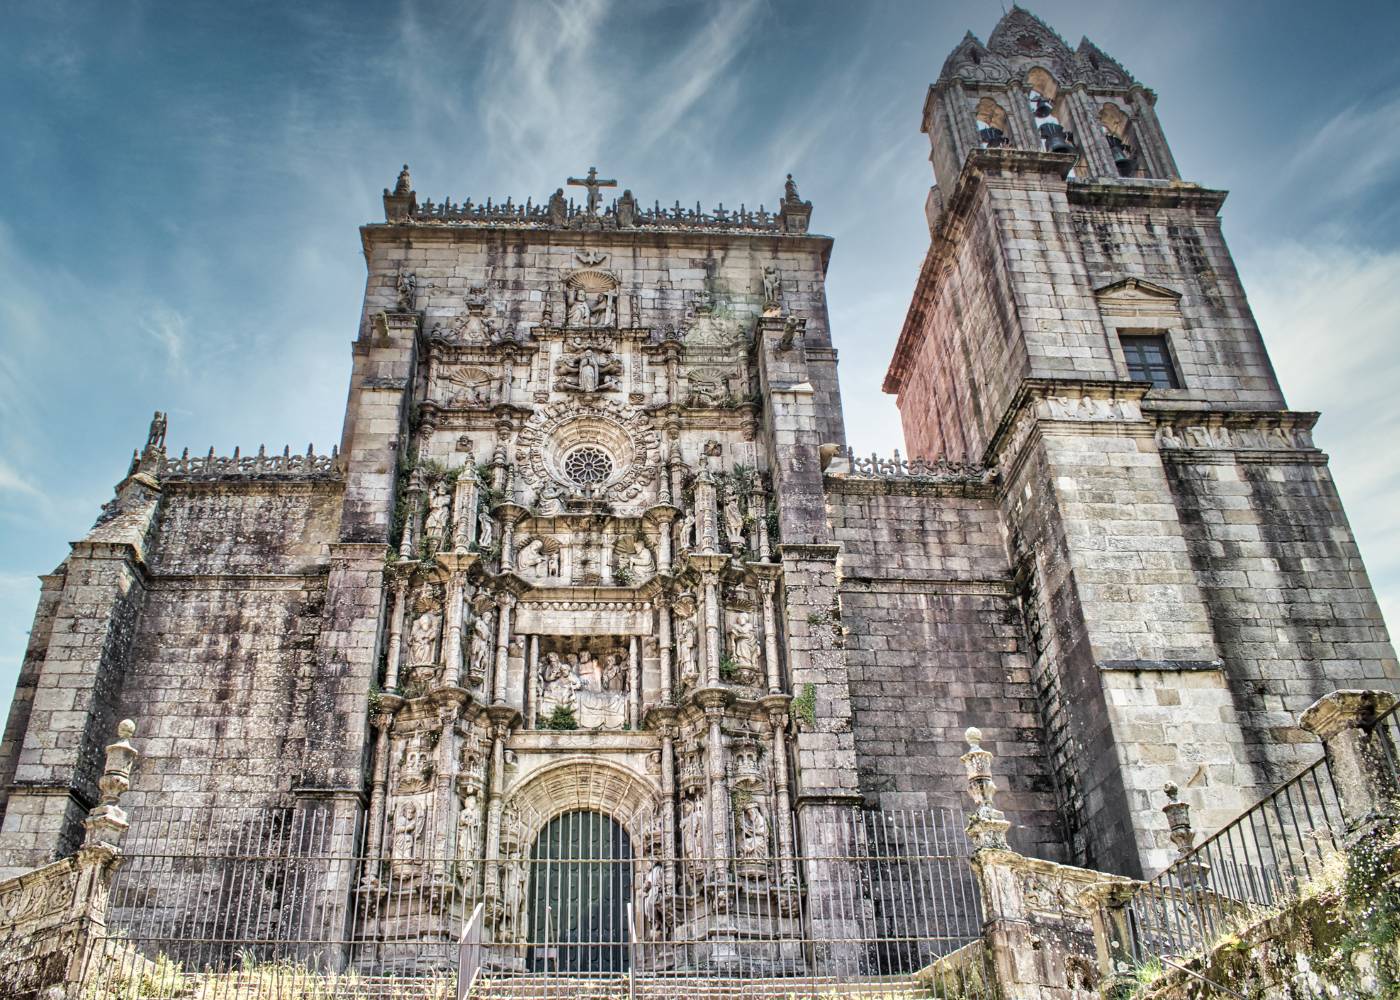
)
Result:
{"points": [[588, 465]]}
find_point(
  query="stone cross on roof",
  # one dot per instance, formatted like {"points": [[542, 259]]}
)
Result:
{"points": [[593, 184]]}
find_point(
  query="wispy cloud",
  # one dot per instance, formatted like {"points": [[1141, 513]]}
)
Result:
{"points": [[166, 326], [12, 481]]}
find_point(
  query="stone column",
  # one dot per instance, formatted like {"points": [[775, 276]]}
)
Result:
{"points": [[634, 684], [664, 556], [676, 469], [504, 603], [758, 511], [706, 512], [1346, 722], [393, 653], [452, 643], [713, 702], [663, 643], [444, 849], [464, 509], [768, 586], [667, 729], [778, 719], [379, 783], [413, 495], [532, 682], [494, 804], [710, 596]]}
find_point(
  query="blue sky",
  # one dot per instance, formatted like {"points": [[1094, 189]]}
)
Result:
{"points": [[183, 182]]}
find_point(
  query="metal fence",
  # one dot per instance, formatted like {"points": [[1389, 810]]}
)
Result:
{"points": [[213, 904], [1257, 864]]}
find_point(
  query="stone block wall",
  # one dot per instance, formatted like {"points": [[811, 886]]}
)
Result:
{"points": [[935, 644], [1289, 599]]}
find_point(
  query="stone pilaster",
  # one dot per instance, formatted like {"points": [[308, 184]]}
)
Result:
{"points": [[1361, 756]]}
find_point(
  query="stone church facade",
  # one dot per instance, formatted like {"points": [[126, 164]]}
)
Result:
{"points": [[592, 541]]}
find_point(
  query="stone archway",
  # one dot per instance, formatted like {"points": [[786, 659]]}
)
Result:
{"points": [[579, 784]]}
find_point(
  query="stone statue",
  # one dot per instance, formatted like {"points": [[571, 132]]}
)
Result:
{"points": [[733, 520], [408, 825], [485, 530], [469, 829], [603, 310], [439, 509], [753, 831], [579, 313], [513, 882], [687, 539], [744, 646], [405, 284], [532, 561], [615, 672], [654, 900], [685, 649], [551, 499], [481, 647], [590, 370], [155, 437], [422, 638], [772, 289], [695, 829], [637, 558], [558, 208], [559, 684]]}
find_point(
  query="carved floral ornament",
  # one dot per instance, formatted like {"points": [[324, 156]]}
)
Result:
{"points": [[609, 448]]}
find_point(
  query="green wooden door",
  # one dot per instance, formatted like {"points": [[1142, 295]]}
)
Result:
{"points": [[580, 891]]}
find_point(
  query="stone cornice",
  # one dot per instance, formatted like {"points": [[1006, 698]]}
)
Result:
{"points": [[1114, 193]]}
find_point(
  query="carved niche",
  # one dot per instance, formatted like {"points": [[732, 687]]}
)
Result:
{"points": [[588, 365], [590, 294]]}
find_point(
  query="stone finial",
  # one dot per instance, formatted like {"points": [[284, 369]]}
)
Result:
{"points": [[1178, 815], [794, 214], [987, 825], [107, 821], [404, 184]]}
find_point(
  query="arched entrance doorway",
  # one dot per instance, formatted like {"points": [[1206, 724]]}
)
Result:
{"points": [[580, 889]]}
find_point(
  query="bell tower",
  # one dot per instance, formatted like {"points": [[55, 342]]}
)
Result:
{"points": [[1187, 575]]}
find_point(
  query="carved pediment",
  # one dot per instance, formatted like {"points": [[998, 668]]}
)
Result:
{"points": [[1139, 289]]}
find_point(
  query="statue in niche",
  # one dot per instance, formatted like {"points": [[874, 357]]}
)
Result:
{"points": [[753, 831], [595, 688], [733, 520], [403, 842], [635, 558], [538, 559], [654, 901], [590, 370], [694, 832], [485, 530], [422, 638], [439, 510], [772, 291], [405, 285], [513, 883], [685, 649], [744, 647], [481, 648], [469, 827], [687, 531]]}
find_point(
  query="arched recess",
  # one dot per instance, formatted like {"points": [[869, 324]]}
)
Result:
{"points": [[579, 784], [1118, 133], [993, 126], [1042, 94]]}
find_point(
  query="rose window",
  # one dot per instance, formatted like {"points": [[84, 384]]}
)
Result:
{"points": [[588, 465]]}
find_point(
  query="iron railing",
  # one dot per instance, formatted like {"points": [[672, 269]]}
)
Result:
{"points": [[1257, 864], [241, 905]]}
